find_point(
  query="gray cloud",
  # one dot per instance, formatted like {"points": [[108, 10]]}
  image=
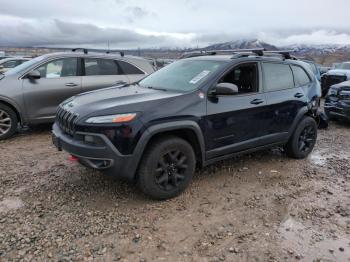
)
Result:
{"points": [[157, 23], [60, 33]]}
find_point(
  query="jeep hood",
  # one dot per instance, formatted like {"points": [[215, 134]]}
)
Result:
{"points": [[130, 98]]}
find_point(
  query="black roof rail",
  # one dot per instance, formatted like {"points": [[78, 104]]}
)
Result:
{"points": [[256, 51], [116, 51], [238, 53], [284, 53], [83, 49]]}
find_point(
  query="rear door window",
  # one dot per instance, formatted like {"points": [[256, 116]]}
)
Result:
{"points": [[129, 69], [301, 78], [277, 77], [98, 66]]}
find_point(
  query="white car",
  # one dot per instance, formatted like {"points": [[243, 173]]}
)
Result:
{"points": [[8, 63]]}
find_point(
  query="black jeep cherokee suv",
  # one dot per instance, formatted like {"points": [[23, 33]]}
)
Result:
{"points": [[191, 113]]}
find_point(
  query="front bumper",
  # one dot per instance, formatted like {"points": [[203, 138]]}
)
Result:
{"points": [[103, 157], [338, 109]]}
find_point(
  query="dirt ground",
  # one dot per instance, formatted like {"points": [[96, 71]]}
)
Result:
{"points": [[258, 207]]}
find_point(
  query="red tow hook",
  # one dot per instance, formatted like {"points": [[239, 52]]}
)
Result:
{"points": [[73, 158]]}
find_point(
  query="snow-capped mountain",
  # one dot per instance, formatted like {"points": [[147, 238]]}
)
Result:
{"points": [[319, 49], [242, 44], [323, 54]]}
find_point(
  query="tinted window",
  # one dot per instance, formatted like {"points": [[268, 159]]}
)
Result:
{"points": [[64, 67], [300, 76], [97, 66], [277, 76], [244, 76], [313, 67], [129, 69]]}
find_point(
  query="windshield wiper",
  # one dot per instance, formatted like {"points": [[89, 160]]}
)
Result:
{"points": [[157, 88]]}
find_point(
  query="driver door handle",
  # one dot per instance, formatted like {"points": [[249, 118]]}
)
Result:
{"points": [[71, 84], [298, 95], [257, 101]]}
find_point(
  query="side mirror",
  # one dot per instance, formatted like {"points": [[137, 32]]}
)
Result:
{"points": [[35, 74], [224, 89]]}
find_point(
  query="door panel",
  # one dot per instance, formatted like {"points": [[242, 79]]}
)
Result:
{"points": [[136, 78], [59, 80], [283, 107], [91, 83], [101, 73], [233, 122], [284, 100], [42, 96]]}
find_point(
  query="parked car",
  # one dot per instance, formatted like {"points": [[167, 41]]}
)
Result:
{"points": [[324, 69], [193, 112], [337, 101], [8, 63], [335, 76], [31, 92]]}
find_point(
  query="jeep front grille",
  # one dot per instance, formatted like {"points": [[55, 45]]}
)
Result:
{"points": [[66, 120]]}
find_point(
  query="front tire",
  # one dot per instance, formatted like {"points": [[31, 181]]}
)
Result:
{"points": [[8, 122], [303, 139], [167, 168]]}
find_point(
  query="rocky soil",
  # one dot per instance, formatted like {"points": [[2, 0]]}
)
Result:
{"points": [[259, 207]]}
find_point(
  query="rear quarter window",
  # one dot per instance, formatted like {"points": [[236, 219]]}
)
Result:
{"points": [[129, 69], [277, 76], [301, 78]]}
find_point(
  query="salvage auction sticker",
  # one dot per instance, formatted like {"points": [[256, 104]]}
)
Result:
{"points": [[199, 77]]}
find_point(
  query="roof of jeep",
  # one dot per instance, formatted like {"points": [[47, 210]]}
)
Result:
{"points": [[229, 58]]}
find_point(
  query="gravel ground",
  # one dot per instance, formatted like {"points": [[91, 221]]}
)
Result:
{"points": [[259, 207]]}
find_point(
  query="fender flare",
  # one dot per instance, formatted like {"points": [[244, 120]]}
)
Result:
{"points": [[13, 104], [302, 112], [165, 127]]}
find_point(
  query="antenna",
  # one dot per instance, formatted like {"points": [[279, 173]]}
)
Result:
{"points": [[83, 49]]}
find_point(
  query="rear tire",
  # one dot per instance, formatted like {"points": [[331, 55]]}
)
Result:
{"points": [[8, 122], [303, 139], [167, 168]]}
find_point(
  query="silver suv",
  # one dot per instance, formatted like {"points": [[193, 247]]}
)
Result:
{"points": [[31, 92]]}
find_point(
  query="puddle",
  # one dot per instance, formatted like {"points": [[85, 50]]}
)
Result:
{"points": [[312, 244], [317, 159], [9, 204]]}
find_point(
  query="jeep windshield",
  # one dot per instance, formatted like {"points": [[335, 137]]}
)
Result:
{"points": [[182, 76], [345, 66]]}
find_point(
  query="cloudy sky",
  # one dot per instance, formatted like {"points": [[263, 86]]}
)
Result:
{"points": [[170, 23]]}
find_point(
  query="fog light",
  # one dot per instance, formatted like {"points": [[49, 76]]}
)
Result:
{"points": [[89, 139]]}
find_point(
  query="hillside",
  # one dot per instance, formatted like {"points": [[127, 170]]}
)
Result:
{"points": [[322, 54]]}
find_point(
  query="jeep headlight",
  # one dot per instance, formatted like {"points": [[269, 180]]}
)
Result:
{"points": [[119, 118]]}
